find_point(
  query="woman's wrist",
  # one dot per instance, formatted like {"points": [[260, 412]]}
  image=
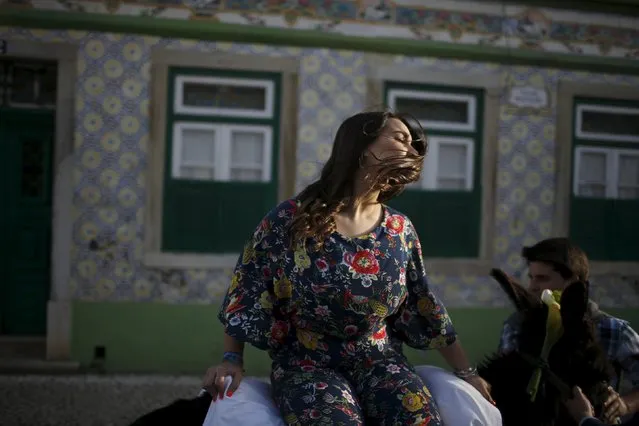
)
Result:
{"points": [[466, 373], [233, 357]]}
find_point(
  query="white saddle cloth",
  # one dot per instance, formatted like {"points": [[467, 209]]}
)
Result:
{"points": [[459, 403]]}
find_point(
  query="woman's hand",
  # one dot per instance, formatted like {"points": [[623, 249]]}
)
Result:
{"points": [[214, 379], [482, 386]]}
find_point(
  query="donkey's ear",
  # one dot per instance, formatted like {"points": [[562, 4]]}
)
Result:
{"points": [[574, 301], [520, 296]]}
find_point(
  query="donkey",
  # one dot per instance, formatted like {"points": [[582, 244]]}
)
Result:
{"points": [[184, 412], [576, 359]]}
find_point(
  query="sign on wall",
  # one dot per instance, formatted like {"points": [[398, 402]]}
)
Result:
{"points": [[528, 99]]}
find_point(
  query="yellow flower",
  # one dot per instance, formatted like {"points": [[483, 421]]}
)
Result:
{"points": [[427, 392], [265, 300], [235, 281], [309, 339], [291, 419], [425, 306], [438, 342], [412, 402], [302, 261], [283, 288], [380, 309], [249, 254]]}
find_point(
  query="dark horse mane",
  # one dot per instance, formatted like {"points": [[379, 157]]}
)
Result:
{"points": [[575, 360]]}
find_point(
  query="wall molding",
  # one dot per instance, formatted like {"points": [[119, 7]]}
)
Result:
{"points": [[216, 31]]}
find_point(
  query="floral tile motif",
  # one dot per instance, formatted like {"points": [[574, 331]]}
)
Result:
{"points": [[322, 9], [444, 20], [529, 29], [376, 11]]}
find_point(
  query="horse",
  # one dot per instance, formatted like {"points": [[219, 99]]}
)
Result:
{"points": [[575, 359]]}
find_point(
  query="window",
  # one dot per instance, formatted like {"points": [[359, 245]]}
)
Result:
{"points": [[448, 166], [222, 152], [605, 181], [606, 173], [224, 97], [436, 110], [28, 83], [446, 205], [222, 133], [607, 123]]}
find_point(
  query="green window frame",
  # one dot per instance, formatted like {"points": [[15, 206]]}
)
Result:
{"points": [[604, 200], [205, 189], [446, 205]]}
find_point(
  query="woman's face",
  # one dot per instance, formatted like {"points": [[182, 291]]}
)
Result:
{"points": [[394, 141]]}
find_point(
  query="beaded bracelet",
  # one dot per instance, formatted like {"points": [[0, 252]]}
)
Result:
{"points": [[235, 358], [466, 373]]}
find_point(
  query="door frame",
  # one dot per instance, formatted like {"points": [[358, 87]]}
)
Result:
{"points": [[58, 336]]}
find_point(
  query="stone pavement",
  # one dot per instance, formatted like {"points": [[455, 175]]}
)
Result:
{"points": [[87, 400]]}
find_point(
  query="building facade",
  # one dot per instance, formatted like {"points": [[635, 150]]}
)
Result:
{"points": [[145, 142]]}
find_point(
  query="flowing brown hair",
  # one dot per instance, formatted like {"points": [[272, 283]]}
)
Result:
{"points": [[333, 191]]}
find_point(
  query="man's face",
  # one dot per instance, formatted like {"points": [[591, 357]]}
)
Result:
{"points": [[542, 276]]}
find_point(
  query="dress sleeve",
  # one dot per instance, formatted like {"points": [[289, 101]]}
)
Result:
{"points": [[422, 321], [249, 312]]}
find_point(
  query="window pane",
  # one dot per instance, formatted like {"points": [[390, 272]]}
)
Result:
{"points": [[23, 85], [246, 175], [592, 167], [434, 110], [452, 160], [247, 148], [197, 173], [628, 170], [594, 190], [610, 122], [48, 85], [198, 146], [451, 183], [216, 95]]}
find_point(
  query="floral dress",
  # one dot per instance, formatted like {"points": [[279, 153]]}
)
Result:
{"points": [[334, 320]]}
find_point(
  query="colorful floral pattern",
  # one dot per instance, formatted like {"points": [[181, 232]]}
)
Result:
{"points": [[334, 321]]}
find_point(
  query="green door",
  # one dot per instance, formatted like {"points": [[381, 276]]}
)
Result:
{"points": [[26, 145]]}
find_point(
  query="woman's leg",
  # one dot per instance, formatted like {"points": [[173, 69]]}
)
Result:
{"points": [[391, 393], [314, 398]]}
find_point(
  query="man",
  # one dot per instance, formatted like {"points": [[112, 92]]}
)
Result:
{"points": [[581, 410], [553, 264]]}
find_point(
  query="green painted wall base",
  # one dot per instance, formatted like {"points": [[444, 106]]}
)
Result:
{"points": [[163, 338]]}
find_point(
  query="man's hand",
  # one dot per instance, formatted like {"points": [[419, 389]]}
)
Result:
{"points": [[578, 406], [614, 407]]}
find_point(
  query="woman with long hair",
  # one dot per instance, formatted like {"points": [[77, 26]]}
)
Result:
{"points": [[332, 283]]}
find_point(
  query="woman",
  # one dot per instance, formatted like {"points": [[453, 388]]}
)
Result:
{"points": [[332, 283]]}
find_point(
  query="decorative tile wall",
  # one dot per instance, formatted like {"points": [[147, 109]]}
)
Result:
{"points": [[111, 143], [454, 21]]}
